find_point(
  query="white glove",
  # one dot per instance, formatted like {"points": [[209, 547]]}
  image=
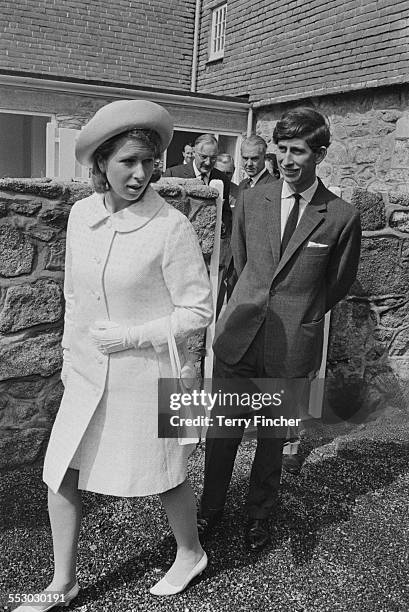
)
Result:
{"points": [[111, 337], [66, 366]]}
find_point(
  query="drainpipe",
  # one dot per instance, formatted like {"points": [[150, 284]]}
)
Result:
{"points": [[250, 121], [195, 46]]}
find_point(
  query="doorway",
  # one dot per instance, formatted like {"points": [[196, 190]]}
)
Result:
{"points": [[228, 143]]}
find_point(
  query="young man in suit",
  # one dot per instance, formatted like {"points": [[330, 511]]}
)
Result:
{"points": [[253, 151], [202, 167], [296, 250]]}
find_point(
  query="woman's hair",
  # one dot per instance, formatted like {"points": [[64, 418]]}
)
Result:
{"points": [[150, 138], [305, 123]]}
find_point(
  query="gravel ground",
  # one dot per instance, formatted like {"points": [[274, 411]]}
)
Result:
{"points": [[340, 542]]}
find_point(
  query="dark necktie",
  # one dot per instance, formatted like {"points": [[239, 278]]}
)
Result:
{"points": [[205, 179], [291, 223], [247, 184]]}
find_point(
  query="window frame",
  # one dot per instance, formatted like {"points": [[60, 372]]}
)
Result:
{"points": [[218, 20], [33, 150]]}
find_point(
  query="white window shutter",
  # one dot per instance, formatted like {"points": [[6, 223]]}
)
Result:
{"points": [[60, 154]]}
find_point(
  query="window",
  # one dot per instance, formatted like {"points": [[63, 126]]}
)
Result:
{"points": [[23, 144], [32, 146], [61, 160], [218, 32]]}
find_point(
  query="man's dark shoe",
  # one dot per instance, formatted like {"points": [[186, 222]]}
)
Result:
{"points": [[293, 463], [257, 534], [206, 523]]}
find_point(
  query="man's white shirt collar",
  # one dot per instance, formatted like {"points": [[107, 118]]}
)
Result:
{"points": [[254, 179], [198, 173], [287, 201], [306, 195]]}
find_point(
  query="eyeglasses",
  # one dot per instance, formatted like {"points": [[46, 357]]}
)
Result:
{"points": [[212, 158]]}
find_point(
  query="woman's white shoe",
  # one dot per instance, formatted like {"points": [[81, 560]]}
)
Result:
{"points": [[163, 587], [68, 597]]}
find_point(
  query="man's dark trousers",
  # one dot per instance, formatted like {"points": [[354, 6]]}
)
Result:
{"points": [[221, 452]]}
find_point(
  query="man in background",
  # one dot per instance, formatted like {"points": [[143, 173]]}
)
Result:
{"points": [[202, 167], [272, 165], [188, 153], [253, 151], [225, 163]]}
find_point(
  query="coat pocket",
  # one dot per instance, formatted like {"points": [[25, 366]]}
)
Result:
{"points": [[313, 324], [307, 351]]}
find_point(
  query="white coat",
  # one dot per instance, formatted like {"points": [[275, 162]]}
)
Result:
{"points": [[140, 266]]}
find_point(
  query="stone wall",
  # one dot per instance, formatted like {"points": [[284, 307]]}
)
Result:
{"points": [[368, 358], [33, 218], [368, 160], [370, 138]]}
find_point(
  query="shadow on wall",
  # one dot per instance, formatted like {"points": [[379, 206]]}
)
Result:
{"points": [[368, 357], [361, 375]]}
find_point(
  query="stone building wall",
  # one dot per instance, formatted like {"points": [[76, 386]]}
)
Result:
{"points": [[368, 161], [370, 138], [368, 356], [33, 218]]}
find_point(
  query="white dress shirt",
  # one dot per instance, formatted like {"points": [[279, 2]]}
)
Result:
{"points": [[287, 202], [254, 179], [201, 176]]}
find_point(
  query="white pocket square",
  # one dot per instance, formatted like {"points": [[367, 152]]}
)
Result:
{"points": [[316, 244]]}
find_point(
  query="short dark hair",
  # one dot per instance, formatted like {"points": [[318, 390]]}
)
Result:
{"points": [[305, 123], [150, 138]]}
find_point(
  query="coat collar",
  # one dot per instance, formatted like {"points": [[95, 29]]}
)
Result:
{"points": [[129, 219], [188, 170], [313, 216]]}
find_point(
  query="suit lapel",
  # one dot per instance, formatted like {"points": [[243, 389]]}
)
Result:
{"points": [[189, 171], [312, 217], [263, 178], [272, 213]]}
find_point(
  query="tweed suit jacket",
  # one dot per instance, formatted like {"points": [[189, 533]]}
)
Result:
{"points": [[187, 171], [290, 295], [265, 179]]}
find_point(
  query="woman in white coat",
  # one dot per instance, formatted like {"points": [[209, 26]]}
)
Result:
{"points": [[134, 270]]}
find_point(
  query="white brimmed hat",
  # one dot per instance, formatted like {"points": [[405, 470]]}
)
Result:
{"points": [[118, 117]]}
